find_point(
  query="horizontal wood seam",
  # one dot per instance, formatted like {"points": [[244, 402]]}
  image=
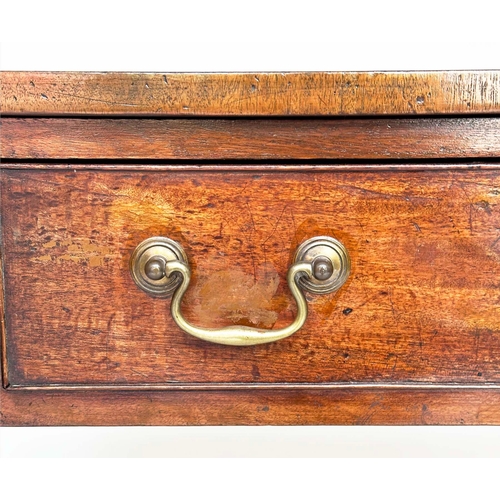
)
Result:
{"points": [[243, 386], [281, 167]]}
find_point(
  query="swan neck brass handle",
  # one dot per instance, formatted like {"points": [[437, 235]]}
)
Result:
{"points": [[159, 266], [236, 334]]}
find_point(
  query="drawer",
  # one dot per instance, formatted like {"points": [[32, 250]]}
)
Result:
{"points": [[421, 303], [237, 196]]}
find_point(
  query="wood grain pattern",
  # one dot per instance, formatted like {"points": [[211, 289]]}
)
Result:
{"points": [[412, 338], [250, 139], [249, 94], [345, 407], [421, 305]]}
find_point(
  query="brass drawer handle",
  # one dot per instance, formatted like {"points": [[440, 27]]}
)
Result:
{"points": [[159, 266]]}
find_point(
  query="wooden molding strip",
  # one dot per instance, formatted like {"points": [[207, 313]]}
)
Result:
{"points": [[4, 382], [236, 386], [274, 407], [250, 139], [254, 167], [249, 94]]}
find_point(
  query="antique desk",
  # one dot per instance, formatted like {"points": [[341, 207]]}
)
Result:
{"points": [[301, 248]]}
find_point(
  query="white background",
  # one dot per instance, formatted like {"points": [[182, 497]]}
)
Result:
{"points": [[250, 36]]}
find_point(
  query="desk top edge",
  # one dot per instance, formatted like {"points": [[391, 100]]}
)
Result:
{"points": [[249, 94]]}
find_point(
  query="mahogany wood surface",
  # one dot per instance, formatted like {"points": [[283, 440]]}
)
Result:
{"points": [[244, 407], [249, 94], [239, 169], [421, 305], [250, 139]]}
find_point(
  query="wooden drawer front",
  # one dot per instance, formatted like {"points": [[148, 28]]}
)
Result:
{"points": [[422, 303]]}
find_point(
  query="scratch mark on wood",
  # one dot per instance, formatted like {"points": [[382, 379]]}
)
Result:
{"points": [[105, 101]]}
